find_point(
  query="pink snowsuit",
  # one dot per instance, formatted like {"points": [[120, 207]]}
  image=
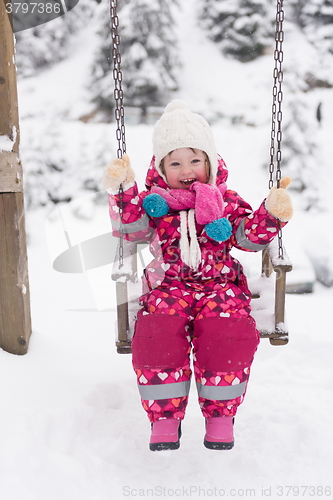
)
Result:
{"points": [[205, 310]]}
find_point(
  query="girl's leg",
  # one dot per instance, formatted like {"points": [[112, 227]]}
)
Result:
{"points": [[161, 348], [160, 360], [224, 348]]}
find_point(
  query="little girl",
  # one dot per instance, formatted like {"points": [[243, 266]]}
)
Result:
{"points": [[196, 296]]}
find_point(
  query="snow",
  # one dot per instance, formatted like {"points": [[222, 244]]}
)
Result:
{"points": [[71, 424], [51, 95], [6, 144]]}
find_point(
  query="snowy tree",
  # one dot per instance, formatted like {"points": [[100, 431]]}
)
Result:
{"points": [[61, 161], [300, 152], [148, 54], [242, 28], [315, 18], [301, 155], [47, 44]]}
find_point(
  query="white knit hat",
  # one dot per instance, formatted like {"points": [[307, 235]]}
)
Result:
{"points": [[178, 128]]}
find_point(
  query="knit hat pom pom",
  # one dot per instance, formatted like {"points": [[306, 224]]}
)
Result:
{"points": [[155, 205], [176, 104], [219, 230]]}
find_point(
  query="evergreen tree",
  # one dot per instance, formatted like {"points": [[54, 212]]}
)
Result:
{"points": [[301, 155], [242, 28], [47, 44], [148, 54], [315, 18], [300, 152], [61, 161]]}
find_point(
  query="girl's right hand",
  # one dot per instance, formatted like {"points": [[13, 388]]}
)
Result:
{"points": [[278, 202], [118, 172]]}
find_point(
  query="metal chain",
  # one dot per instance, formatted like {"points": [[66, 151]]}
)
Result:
{"points": [[276, 132], [119, 111], [118, 77]]}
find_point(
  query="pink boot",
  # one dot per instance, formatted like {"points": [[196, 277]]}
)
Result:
{"points": [[165, 434], [219, 433]]}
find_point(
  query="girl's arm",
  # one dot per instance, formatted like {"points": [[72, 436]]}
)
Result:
{"points": [[126, 207], [254, 230]]}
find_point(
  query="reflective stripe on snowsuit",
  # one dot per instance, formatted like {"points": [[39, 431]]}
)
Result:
{"points": [[206, 310], [218, 328]]}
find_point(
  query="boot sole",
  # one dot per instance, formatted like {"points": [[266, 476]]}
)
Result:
{"points": [[214, 445], [173, 445], [164, 446]]}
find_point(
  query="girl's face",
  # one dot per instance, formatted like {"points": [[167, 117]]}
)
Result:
{"points": [[184, 166]]}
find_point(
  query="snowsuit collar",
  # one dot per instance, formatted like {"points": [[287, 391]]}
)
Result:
{"points": [[202, 202]]}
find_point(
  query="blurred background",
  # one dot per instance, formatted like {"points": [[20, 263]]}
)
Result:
{"points": [[71, 423], [218, 55]]}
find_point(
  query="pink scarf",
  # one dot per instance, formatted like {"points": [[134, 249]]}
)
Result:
{"points": [[206, 199], [205, 203]]}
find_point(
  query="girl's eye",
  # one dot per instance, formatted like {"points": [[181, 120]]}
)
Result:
{"points": [[175, 164], [196, 161]]}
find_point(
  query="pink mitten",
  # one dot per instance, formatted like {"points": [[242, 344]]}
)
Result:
{"points": [[278, 202], [118, 172]]}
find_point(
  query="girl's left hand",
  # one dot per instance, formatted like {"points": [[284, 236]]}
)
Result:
{"points": [[278, 202], [118, 172]]}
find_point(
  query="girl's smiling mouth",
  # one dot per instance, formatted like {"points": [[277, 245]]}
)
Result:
{"points": [[187, 182]]}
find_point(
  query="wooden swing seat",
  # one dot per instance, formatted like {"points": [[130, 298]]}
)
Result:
{"points": [[126, 278], [271, 260]]}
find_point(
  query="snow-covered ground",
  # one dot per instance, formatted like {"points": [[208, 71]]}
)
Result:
{"points": [[71, 424]]}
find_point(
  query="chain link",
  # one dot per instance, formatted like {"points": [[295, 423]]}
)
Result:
{"points": [[276, 135], [276, 128], [119, 111], [118, 77]]}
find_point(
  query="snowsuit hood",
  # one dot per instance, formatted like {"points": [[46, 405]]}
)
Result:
{"points": [[155, 178]]}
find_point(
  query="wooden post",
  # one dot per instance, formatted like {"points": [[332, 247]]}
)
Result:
{"points": [[280, 294], [121, 276], [122, 343], [15, 318], [266, 264]]}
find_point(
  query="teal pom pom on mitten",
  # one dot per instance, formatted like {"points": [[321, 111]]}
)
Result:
{"points": [[155, 205], [219, 230]]}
